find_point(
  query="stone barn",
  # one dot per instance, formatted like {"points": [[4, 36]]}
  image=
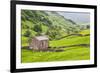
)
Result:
{"points": [[39, 43]]}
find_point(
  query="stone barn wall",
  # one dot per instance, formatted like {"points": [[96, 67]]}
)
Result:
{"points": [[39, 43]]}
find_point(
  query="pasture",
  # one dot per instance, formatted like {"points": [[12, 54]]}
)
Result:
{"points": [[77, 52]]}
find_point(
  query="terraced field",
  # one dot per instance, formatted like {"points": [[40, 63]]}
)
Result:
{"points": [[77, 52]]}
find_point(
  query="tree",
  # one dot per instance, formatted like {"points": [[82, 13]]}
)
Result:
{"points": [[88, 26], [27, 33], [37, 28], [54, 32]]}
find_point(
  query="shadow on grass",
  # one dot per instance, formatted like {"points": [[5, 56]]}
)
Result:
{"points": [[58, 49]]}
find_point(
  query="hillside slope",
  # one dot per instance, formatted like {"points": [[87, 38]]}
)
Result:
{"points": [[46, 22]]}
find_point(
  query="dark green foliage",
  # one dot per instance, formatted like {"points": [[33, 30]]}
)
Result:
{"points": [[49, 23], [27, 33], [88, 26], [37, 28]]}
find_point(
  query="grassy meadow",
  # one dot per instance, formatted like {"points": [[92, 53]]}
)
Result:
{"points": [[72, 53], [64, 34]]}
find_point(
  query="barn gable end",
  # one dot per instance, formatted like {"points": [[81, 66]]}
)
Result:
{"points": [[39, 43]]}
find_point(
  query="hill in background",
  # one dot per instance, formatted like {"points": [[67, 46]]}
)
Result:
{"points": [[48, 23]]}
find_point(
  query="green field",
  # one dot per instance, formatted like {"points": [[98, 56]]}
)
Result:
{"points": [[72, 40], [72, 53], [69, 53]]}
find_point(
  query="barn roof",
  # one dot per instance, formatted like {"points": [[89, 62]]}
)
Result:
{"points": [[42, 37]]}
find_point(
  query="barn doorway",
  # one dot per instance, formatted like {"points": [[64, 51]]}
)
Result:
{"points": [[43, 44]]}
